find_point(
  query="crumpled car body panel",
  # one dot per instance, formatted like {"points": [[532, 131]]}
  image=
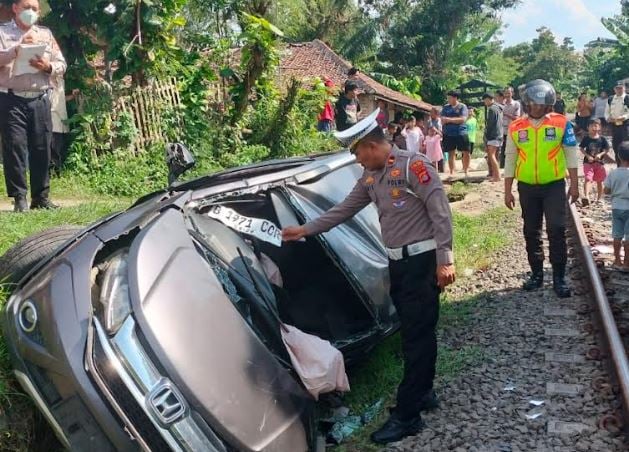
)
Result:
{"points": [[198, 364]]}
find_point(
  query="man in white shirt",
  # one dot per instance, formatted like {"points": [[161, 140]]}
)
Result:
{"points": [[511, 110], [617, 114], [600, 105]]}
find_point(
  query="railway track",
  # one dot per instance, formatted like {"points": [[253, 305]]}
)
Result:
{"points": [[609, 302]]}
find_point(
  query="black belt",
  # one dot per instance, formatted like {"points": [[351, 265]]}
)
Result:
{"points": [[26, 95]]}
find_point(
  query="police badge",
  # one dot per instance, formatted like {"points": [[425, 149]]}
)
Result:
{"points": [[523, 136], [550, 134]]}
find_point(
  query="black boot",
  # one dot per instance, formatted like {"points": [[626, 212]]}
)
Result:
{"points": [[395, 428], [20, 204], [559, 281], [43, 203], [535, 281]]}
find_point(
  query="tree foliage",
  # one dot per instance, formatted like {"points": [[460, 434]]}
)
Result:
{"points": [[438, 39], [135, 35], [608, 60], [544, 58]]}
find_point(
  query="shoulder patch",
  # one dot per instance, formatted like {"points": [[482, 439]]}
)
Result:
{"points": [[418, 168], [569, 138]]}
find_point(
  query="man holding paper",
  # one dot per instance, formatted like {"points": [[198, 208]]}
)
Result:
{"points": [[29, 57]]}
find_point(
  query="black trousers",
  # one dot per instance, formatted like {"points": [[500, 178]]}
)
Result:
{"points": [[538, 202], [619, 134], [503, 149], [415, 295], [26, 127]]}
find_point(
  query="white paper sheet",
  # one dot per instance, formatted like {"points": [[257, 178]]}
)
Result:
{"points": [[25, 53]]}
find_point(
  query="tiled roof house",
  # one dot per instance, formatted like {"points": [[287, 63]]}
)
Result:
{"points": [[308, 60]]}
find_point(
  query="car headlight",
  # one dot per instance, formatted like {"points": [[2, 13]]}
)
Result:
{"points": [[27, 316], [114, 291]]}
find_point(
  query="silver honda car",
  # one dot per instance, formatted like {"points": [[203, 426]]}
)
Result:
{"points": [[157, 328]]}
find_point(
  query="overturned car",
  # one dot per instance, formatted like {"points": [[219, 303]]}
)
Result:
{"points": [[157, 328]]}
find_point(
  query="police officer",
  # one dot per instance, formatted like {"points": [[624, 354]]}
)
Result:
{"points": [[416, 227], [539, 149], [25, 118], [617, 113]]}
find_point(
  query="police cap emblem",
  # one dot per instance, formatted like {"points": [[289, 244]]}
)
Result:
{"points": [[349, 138]]}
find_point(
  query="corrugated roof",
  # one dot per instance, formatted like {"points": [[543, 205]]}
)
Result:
{"points": [[307, 60]]}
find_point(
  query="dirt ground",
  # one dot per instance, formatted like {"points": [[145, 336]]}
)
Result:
{"points": [[481, 197]]}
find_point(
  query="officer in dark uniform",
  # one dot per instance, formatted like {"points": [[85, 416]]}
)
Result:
{"points": [[416, 227], [540, 147], [25, 117]]}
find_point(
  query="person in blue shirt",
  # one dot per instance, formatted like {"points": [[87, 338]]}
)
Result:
{"points": [[455, 137]]}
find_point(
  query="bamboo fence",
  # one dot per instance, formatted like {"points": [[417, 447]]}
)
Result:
{"points": [[147, 106]]}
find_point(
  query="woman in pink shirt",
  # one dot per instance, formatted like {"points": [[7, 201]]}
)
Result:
{"points": [[432, 146]]}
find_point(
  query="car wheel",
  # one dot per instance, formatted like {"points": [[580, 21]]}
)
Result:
{"points": [[23, 256]]}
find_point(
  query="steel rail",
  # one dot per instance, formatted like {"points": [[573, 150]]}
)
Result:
{"points": [[612, 336]]}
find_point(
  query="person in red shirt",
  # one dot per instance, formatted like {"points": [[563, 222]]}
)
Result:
{"points": [[326, 117]]}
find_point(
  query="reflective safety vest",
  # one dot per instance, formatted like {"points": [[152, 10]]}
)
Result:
{"points": [[540, 157]]}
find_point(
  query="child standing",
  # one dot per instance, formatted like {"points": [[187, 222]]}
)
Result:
{"points": [[414, 136], [472, 127], [432, 146], [617, 184], [594, 148]]}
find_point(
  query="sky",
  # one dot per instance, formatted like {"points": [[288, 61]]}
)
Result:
{"points": [[578, 19]]}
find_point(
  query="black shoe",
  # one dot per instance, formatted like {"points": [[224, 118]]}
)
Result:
{"points": [[429, 401], [43, 203], [20, 204], [394, 429], [535, 281], [560, 286]]}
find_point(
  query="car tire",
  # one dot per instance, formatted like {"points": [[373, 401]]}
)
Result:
{"points": [[26, 254]]}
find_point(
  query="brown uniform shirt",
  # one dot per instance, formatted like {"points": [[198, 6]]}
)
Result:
{"points": [[412, 205], [10, 36]]}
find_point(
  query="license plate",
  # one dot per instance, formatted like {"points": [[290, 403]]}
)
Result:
{"points": [[260, 228]]}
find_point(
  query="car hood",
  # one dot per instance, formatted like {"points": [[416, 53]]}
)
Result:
{"points": [[204, 345]]}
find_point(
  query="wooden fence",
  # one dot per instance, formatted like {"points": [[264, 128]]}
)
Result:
{"points": [[147, 106]]}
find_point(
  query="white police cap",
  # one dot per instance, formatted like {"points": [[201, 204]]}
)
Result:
{"points": [[349, 138]]}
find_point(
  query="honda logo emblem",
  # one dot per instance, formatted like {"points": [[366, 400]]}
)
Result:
{"points": [[166, 403]]}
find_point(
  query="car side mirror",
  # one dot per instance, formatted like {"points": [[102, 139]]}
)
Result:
{"points": [[179, 160]]}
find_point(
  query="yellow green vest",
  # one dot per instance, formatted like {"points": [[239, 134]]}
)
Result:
{"points": [[540, 155]]}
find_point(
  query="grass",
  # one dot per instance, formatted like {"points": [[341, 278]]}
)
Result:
{"points": [[17, 226], [476, 240], [18, 418]]}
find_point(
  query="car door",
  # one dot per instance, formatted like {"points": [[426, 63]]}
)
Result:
{"points": [[356, 245]]}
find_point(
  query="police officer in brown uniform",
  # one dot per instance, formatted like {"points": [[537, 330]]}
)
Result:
{"points": [[25, 118], [416, 225]]}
